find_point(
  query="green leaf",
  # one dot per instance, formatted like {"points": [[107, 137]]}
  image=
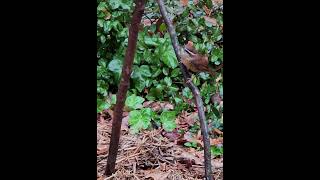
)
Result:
{"points": [[191, 144], [216, 150], [167, 119], [114, 3], [102, 6], [134, 101], [165, 71], [139, 119], [186, 92], [162, 27], [150, 41], [169, 58], [107, 26], [145, 71], [157, 73], [168, 81], [141, 72], [139, 84], [115, 66], [177, 100], [209, 3], [113, 99], [102, 38], [175, 72], [100, 22], [101, 105]]}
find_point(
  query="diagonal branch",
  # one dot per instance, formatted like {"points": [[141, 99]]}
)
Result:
{"points": [[124, 85], [194, 89]]}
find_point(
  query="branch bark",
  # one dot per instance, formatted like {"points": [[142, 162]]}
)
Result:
{"points": [[124, 85], [194, 89]]}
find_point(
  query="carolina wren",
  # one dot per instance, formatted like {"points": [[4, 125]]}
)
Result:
{"points": [[194, 61]]}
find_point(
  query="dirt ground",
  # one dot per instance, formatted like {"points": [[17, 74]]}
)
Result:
{"points": [[150, 155]]}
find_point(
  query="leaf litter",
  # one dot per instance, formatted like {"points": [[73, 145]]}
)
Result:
{"points": [[152, 155]]}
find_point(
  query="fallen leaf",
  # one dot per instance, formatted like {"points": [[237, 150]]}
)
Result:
{"points": [[207, 10], [110, 112], [147, 22], [101, 178], [211, 20], [124, 123], [217, 131], [216, 98], [188, 136], [158, 106], [216, 141], [159, 175], [184, 2], [195, 2], [218, 2], [191, 119], [188, 156], [101, 149], [172, 136]]}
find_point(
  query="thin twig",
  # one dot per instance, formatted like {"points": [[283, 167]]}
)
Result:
{"points": [[194, 89]]}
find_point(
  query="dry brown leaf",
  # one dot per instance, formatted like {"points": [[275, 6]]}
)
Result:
{"points": [[147, 22], [191, 119], [157, 106], [157, 175], [218, 2], [102, 150], [101, 178], [211, 20], [216, 141], [190, 156], [188, 136], [110, 112], [217, 131], [184, 2], [172, 136], [207, 10], [147, 103], [124, 123], [195, 2]]}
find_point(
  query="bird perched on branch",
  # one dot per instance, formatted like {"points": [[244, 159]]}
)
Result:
{"points": [[194, 61]]}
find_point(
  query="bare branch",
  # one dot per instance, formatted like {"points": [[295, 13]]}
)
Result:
{"points": [[124, 85], [194, 89]]}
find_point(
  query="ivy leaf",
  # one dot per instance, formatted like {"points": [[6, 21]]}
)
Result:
{"points": [[157, 73], [139, 119], [141, 72], [145, 71], [168, 81], [100, 22], [175, 72], [186, 92], [155, 93], [150, 41], [113, 99], [209, 3], [102, 38], [134, 101], [115, 66], [139, 84], [216, 150], [169, 58], [102, 105], [167, 119], [165, 71]]}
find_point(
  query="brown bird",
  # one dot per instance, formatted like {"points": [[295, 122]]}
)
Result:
{"points": [[194, 61]]}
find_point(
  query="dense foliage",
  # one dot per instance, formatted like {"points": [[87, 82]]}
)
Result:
{"points": [[156, 75]]}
